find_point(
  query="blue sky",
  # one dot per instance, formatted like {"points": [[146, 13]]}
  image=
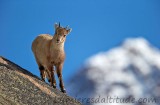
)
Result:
{"points": [[98, 25]]}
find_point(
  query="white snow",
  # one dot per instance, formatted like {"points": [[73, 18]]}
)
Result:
{"points": [[125, 70]]}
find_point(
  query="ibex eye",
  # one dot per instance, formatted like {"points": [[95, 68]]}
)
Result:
{"points": [[64, 35]]}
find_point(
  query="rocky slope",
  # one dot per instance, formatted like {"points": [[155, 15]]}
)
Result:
{"points": [[130, 71], [20, 87]]}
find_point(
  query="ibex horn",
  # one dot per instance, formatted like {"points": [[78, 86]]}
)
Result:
{"points": [[59, 24]]}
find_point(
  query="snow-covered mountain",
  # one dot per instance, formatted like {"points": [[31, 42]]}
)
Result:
{"points": [[130, 73]]}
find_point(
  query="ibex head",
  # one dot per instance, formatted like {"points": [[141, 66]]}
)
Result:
{"points": [[61, 33]]}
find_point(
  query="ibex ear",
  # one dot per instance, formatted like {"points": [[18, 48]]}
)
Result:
{"points": [[69, 30], [56, 25]]}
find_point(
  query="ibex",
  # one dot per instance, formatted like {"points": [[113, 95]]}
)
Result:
{"points": [[49, 54]]}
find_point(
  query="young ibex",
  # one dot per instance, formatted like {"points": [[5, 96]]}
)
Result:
{"points": [[49, 54]]}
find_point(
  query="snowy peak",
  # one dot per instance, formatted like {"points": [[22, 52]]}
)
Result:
{"points": [[134, 51], [132, 69]]}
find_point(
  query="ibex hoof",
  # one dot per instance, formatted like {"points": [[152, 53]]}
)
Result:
{"points": [[54, 86], [63, 90], [43, 80]]}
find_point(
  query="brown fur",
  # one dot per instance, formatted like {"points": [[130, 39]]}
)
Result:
{"points": [[49, 54]]}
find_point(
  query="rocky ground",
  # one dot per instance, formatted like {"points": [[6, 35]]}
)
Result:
{"points": [[20, 87]]}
